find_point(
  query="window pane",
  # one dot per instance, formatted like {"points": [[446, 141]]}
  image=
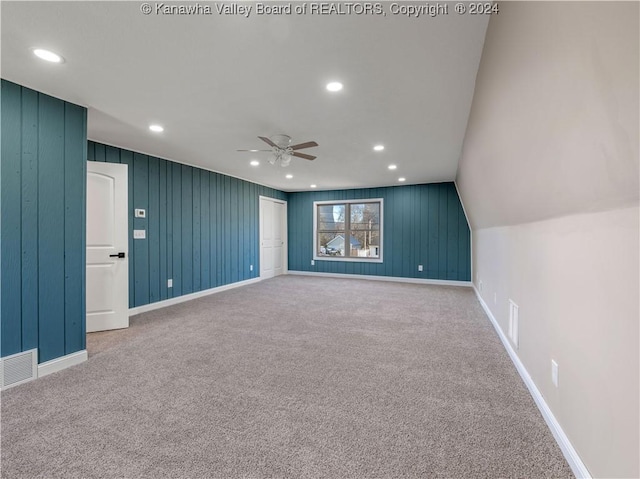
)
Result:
{"points": [[348, 230], [331, 217], [374, 244], [331, 244], [365, 230]]}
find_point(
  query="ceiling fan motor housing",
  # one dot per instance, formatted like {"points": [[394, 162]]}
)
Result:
{"points": [[283, 141]]}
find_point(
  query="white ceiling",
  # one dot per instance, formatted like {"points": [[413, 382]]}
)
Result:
{"points": [[216, 82]]}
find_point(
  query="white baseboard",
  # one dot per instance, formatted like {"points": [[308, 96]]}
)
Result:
{"points": [[571, 455], [395, 279], [188, 297], [61, 363]]}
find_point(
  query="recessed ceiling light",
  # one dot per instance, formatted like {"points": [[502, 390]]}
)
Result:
{"points": [[334, 86], [392, 167], [254, 163], [314, 186], [378, 147], [401, 179], [289, 176], [156, 128], [47, 55]]}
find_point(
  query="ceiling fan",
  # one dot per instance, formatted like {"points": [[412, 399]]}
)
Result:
{"points": [[283, 150]]}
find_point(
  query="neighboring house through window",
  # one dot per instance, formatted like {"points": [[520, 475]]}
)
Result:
{"points": [[358, 220]]}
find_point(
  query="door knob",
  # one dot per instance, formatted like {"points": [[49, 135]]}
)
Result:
{"points": [[117, 255]]}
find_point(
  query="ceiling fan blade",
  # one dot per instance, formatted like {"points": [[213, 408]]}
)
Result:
{"points": [[300, 146], [268, 141], [303, 155]]}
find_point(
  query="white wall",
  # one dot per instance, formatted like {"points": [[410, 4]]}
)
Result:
{"points": [[575, 280], [549, 176]]}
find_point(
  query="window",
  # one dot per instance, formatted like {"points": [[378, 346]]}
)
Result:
{"points": [[348, 230]]}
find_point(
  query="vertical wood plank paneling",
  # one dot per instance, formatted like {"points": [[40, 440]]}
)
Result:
{"points": [[202, 227], [42, 191], [126, 158], [421, 233], [452, 232], [205, 230], [227, 248], [99, 153], [11, 307], [112, 154], [29, 219], [433, 208], [213, 229], [51, 324], [91, 150], [442, 232], [141, 246], [153, 236], [83, 231], [233, 232], [246, 245], [170, 229], [177, 229], [163, 232], [423, 224], [255, 244], [240, 228], [416, 248], [75, 174], [196, 234], [395, 248], [187, 230], [464, 246], [407, 225]]}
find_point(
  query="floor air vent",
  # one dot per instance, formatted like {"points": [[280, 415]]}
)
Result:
{"points": [[18, 368]]}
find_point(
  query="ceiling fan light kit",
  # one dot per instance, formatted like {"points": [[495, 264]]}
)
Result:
{"points": [[283, 151]]}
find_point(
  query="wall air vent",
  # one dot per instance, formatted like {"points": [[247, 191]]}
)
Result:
{"points": [[18, 368]]}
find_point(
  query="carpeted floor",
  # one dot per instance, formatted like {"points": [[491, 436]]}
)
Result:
{"points": [[292, 377]]}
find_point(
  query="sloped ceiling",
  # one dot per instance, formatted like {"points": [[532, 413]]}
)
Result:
{"points": [[553, 129]]}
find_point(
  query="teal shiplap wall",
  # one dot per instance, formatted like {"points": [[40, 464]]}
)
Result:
{"points": [[423, 224], [202, 227], [42, 223]]}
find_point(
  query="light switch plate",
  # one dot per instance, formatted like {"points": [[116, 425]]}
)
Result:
{"points": [[139, 234], [140, 213]]}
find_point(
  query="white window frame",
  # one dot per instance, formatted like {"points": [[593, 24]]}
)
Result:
{"points": [[359, 259]]}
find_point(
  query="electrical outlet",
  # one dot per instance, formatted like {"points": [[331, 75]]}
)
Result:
{"points": [[554, 373], [250, 267], [139, 234], [313, 263], [419, 267], [170, 283]]}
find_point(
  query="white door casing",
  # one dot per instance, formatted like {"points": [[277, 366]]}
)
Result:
{"points": [[273, 237], [107, 237]]}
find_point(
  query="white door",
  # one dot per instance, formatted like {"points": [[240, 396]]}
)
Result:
{"points": [[107, 247], [273, 234]]}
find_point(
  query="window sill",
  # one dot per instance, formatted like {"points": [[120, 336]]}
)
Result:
{"points": [[347, 260]]}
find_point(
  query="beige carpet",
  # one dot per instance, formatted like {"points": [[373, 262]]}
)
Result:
{"points": [[291, 377]]}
